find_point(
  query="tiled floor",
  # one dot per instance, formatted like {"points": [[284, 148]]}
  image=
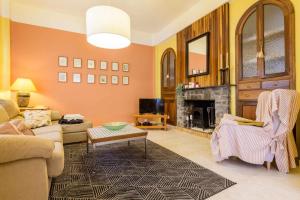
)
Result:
{"points": [[253, 182]]}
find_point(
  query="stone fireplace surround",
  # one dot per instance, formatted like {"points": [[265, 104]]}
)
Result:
{"points": [[219, 94]]}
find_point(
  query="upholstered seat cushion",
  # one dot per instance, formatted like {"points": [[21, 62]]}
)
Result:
{"points": [[54, 136], [47, 129], [55, 164], [72, 128]]}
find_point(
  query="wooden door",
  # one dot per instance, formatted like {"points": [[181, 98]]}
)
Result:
{"points": [[168, 84]]}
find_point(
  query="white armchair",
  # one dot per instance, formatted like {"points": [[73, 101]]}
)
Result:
{"points": [[278, 111]]}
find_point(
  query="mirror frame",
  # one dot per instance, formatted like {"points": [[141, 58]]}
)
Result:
{"points": [[207, 34]]}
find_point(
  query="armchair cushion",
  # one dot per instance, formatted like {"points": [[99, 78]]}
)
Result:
{"points": [[10, 107], [3, 115]]}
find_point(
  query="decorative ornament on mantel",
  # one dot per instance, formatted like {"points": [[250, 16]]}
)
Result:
{"points": [[108, 27]]}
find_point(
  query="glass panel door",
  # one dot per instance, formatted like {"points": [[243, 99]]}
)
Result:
{"points": [[172, 69], [249, 47], [165, 74], [274, 44]]}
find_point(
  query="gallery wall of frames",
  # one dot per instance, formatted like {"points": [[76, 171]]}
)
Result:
{"points": [[98, 71]]}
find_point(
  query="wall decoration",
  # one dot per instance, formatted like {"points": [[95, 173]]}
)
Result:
{"points": [[62, 77], [103, 65], [91, 64], [125, 67], [76, 78], [91, 78], [102, 79], [114, 80], [77, 62], [125, 80], [62, 61], [115, 66]]}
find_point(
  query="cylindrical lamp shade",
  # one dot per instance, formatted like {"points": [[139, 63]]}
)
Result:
{"points": [[108, 27]]}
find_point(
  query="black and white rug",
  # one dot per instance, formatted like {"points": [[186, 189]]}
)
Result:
{"points": [[119, 171]]}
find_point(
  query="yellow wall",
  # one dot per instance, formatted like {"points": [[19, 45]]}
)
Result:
{"points": [[237, 9], [159, 50], [4, 53]]}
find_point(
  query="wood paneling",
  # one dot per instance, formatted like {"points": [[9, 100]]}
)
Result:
{"points": [[217, 23]]}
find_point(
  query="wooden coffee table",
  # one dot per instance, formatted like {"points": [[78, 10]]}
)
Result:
{"points": [[102, 136]]}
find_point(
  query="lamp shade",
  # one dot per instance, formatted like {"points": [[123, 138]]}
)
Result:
{"points": [[108, 27], [23, 85]]}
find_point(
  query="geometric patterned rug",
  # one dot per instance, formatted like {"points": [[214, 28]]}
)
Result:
{"points": [[118, 171]]}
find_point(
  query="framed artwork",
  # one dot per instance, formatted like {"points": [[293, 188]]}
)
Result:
{"points": [[77, 62], [76, 78], [62, 77], [102, 79], [103, 65], [91, 64], [91, 78], [115, 66], [125, 80], [125, 67], [62, 61], [114, 80]]}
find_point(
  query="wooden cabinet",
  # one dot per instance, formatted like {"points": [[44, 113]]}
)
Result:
{"points": [[265, 49], [168, 84]]}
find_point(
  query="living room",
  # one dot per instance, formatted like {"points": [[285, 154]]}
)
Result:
{"points": [[186, 90]]}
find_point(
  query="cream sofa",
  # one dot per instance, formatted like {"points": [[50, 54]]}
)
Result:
{"points": [[28, 163]]}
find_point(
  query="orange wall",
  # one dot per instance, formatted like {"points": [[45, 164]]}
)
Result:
{"points": [[196, 61], [34, 54]]}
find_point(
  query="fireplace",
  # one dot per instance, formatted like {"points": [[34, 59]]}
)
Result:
{"points": [[202, 107], [200, 114]]}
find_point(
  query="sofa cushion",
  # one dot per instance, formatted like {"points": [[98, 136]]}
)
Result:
{"points": [[47, 129], [55, 115], [72, 128], [10, 107], [8, 128], [3, 115], [55, 164], [54, 136]]}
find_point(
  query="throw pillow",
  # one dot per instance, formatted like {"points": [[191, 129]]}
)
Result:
{"points": [[21, 127], [9, 128], [37, 118]]}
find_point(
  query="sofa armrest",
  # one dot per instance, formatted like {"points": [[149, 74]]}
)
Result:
{"points": [[55, 115], [14, 148]]}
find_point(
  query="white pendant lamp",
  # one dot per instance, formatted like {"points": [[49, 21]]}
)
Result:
{"points": [[108, 27]]}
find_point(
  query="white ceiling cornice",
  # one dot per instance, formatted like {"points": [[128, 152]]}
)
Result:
{"points": [[28, 14]]}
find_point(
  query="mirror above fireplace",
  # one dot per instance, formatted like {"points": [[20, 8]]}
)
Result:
{"points": [[197, 58]]}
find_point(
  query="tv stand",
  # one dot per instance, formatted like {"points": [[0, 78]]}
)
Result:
{"points": [[163, 120]]}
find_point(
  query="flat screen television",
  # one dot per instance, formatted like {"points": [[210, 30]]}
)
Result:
{"points": [[153, 106]]}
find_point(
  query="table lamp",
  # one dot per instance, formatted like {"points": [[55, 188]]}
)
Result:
{"points": [[23, 86]]}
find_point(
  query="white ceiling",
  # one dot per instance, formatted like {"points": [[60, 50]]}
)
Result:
{"points": [[152, 20]]}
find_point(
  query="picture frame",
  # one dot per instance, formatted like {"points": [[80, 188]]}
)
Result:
{"points": [[103, 79], [90, 64], [125, 80], [125, 67], [77, 63], [76, 78], [62, 61], [103, 65], [62, 77], [115, 66], [90, 78], [114, 80]]}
